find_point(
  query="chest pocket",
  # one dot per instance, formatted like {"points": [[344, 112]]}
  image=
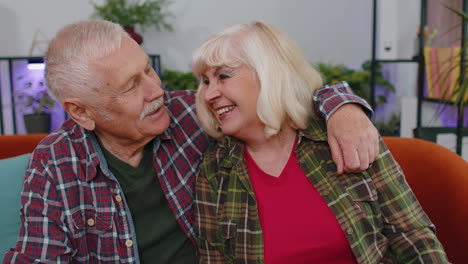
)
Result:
{"points": [[91, 221], [227, 230], [365, 196], [363, 190]]}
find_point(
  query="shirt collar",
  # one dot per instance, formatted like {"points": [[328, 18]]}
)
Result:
{"points": [[167, 134], [96, 156], [84, 151], [316, 129]]}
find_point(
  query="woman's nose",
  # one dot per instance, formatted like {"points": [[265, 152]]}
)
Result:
{"points": [[211, 93]]}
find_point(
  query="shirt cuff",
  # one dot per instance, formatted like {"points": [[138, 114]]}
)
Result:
{"points": [[332, 96]]}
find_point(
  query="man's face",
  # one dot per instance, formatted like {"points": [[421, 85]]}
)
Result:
{"points": [[131, 105]]}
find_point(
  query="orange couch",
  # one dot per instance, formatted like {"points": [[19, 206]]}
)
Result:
{"points": [[439, 179], [14, 145]]}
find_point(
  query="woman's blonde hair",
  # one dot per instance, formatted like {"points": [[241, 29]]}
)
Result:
{"points": [[287, 79]]}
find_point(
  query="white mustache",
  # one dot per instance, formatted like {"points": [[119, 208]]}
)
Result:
{"points": [[152, 107]]}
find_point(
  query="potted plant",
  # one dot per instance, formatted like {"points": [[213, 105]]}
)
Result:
{"points": [[130, 13], [35, 104]]}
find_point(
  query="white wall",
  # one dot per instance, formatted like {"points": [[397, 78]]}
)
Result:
{"points": [[336, 31], [331, 30], [20, 19]]}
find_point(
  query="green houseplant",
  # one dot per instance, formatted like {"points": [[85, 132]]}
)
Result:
{"points": [[178, 80], [135, 12], [130, 13]]}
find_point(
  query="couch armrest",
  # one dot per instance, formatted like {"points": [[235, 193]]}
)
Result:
{"points": [[14, 145]]}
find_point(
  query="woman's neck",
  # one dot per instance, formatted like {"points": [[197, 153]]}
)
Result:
{"points": [[272, 153]]}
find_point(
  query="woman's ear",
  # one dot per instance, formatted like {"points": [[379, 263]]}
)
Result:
{"points": [[79, 112]]}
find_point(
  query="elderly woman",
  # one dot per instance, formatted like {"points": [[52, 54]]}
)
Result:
{"points": [[268, 191]]}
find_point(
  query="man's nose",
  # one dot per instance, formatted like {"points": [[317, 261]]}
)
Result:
{"points": [[153, 88]]}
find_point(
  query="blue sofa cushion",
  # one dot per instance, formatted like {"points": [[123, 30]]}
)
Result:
{"points": [[11, 181]]}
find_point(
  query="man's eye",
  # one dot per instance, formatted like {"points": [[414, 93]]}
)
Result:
{"points": [[131, 85], [149, 70]]}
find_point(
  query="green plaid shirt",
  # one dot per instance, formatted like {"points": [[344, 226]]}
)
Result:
{"points": [[378, 212]]}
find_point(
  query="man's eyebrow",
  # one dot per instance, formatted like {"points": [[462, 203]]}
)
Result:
{"points": [[129, 78]]}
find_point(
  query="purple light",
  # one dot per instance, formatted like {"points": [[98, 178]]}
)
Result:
{"points": [[36, 66]]}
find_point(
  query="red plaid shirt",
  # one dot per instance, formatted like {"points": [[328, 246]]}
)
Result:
{"points": [[73, 209]]}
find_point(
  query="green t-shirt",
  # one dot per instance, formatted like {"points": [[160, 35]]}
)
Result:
{"points": [[160, 238]]}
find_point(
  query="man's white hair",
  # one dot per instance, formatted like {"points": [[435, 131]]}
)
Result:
{"points": [[69, 57]]}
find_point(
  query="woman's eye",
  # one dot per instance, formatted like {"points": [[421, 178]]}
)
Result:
{"points": [[223, 76], [206, 81]]}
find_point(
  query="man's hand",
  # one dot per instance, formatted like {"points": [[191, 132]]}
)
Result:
{"points": [[353, 139]]}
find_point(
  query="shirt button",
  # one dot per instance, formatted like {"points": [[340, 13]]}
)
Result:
{"points": [[349, 230], [118, 198], [129, 243], [90, 222]]}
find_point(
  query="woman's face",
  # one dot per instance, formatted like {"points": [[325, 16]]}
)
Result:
{"points": [[231, 95]]}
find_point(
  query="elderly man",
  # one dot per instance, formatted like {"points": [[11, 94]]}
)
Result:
{"points": [[115, 182]]}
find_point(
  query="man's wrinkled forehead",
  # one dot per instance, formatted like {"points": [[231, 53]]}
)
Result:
{"points": [[124, 62]]}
